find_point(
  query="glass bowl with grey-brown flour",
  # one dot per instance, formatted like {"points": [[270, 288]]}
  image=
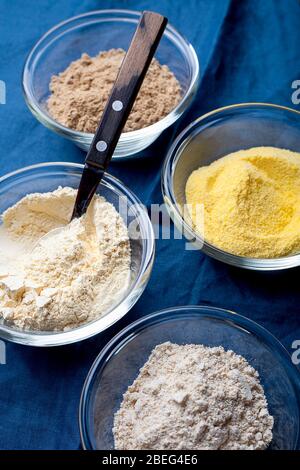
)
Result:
{"points": [[190, 378], [78, 282], [69, 73]]}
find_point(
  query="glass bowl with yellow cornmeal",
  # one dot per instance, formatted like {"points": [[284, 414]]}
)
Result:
{"points": [[45, 320], [231, 184], [91, 33]]}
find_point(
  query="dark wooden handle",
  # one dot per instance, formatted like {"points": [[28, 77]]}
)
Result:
{"points": [[129, 80], [127, 85]]}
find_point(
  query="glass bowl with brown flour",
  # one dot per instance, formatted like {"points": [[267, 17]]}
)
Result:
{"points": [[70, 71], [231, 183], [191, 378], [69, 287]]}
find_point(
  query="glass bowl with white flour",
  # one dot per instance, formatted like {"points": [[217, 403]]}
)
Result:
{"points": [[72, 285], [190, 378]]}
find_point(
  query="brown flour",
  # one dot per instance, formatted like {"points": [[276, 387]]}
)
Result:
{"points": [[194, 397], [79, 93]]}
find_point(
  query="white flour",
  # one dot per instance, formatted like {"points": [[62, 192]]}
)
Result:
{"points": [[194, 397], [71, 278]]}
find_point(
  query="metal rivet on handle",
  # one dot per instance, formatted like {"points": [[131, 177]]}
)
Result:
{"points": [[101, 146], [117, 105]]}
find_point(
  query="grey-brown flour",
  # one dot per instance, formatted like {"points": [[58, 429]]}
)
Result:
{"points": [[194, 397], [79, 93]]}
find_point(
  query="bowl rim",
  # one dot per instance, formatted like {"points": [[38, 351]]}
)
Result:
{"points": [[159, 126], [169, 165], [87, 330], [214, 313]]}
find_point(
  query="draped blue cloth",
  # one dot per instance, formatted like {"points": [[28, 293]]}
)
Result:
{"points": [[248, 51]]}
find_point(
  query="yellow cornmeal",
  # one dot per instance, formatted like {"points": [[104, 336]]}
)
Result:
{"points": [[251, 202]]}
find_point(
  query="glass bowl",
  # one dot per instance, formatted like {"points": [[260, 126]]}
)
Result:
{"points": [[92, 32], [119, 362], [209, 138], [47, 177]]}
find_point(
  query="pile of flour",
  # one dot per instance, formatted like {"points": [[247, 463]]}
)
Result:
{"points": [[194, 397], [79, 93], [67, 279]]}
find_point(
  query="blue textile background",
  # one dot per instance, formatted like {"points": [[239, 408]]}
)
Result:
{"points": [[249, 51]]}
